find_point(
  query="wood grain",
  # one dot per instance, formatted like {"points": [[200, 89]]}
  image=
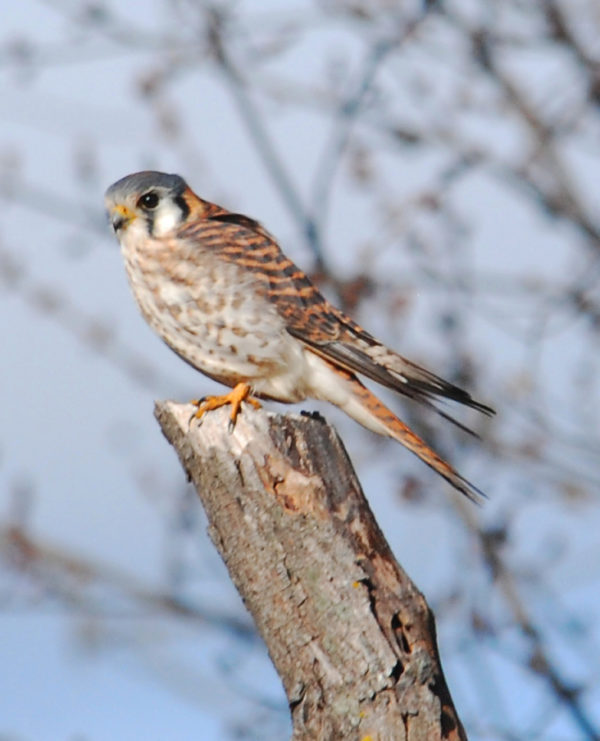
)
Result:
{"points": [[350, 635]]}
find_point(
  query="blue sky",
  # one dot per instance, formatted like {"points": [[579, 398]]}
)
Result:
{"points": [[83, 464]]}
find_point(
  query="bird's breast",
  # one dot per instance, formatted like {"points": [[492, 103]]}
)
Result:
{"points": [[215, 314]]}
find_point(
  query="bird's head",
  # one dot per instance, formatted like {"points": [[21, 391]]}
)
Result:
{"points": [[149, 204]]}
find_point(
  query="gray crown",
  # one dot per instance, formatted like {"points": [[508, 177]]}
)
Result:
{"points": [[143, 181]]}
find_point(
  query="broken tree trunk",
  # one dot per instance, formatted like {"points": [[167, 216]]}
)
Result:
{"points": [[350, 635]]}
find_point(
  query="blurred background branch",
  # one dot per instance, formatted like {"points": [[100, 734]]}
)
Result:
{"points": [[434, 165]]}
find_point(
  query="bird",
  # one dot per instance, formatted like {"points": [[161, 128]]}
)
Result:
{"points": [[219, 291]]}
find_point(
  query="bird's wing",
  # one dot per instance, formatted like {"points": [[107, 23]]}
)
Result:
{"points": [[324, 329], [336, 337]]}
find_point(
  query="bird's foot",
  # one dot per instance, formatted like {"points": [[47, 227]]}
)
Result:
{"points": [[235, 397]]}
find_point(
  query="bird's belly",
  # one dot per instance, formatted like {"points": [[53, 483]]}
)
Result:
{"points": [[219, 322]]}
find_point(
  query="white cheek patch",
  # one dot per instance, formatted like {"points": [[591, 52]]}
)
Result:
{"points": [[134, 233], [166, 217]]}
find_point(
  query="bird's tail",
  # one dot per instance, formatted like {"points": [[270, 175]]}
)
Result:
{"points": [[369, 411]]}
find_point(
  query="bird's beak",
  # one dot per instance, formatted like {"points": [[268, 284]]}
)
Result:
{"points": [[120, 217]]}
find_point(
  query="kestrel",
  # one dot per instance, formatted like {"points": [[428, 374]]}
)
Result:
{"points": [[220, 292]]}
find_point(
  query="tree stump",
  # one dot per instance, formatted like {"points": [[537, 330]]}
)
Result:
{"points": [[350, 635]]}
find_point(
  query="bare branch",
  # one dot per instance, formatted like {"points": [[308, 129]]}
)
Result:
{"points": [[262, 141], [539, 661]]}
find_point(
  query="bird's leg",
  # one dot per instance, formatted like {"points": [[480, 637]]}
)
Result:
{"points": [[240, 393]]}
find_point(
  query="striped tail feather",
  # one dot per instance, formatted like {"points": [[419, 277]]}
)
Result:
{"points": [[369, 411]]}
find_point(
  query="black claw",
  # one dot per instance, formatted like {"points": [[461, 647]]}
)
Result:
{"points": [[231, 426], [312, 415], [194, 417]]}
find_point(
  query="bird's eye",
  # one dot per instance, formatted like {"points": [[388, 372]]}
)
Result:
{"points": [[149, 200]]}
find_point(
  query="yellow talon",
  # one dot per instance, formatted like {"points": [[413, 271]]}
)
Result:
{"points": [[235, 397]]}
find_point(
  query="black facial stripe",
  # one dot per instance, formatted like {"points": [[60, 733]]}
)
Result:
{"points": [[150, 222], [185, 209]]}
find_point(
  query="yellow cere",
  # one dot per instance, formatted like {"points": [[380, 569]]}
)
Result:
{"points": [[124, 211]]}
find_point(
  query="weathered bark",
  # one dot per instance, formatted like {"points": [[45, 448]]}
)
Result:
{"points": [[350, 635]]}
